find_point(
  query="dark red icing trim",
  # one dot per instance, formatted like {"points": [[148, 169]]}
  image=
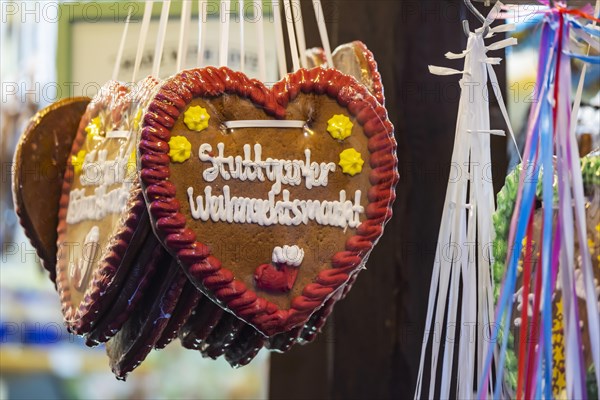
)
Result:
{"points": [[204, 269], [377, 89], [318, 319], [79, 318]]}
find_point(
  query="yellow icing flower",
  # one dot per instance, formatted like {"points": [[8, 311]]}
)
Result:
{"points": [[137, 119], [93, 128], [339, 127], [77, 161], [351, 162], [180, 149], [196, 118]]}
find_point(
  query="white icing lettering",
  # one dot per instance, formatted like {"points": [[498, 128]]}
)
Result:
{"points": [[99, 204], [280, 172], [341, 213]]}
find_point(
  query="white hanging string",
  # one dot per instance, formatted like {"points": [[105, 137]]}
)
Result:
{"points": [[456, 266], [503, 110], [117, 66], [586, 265], [201, 32], [301, 39], [289, 20], [160, 39], [223, 52], [241, 23], [142, 38], [323, 31], [266, 123], [260, 32], [279, 39], [186, 14]]}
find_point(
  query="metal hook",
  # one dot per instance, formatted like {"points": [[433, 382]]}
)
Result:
{"points": [[478, 15], [466, 28]]}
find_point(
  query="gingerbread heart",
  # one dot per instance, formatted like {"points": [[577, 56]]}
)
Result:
{"points": [[224, 193], [144, 328], [353, 59], [40, 161], [102, 224]]}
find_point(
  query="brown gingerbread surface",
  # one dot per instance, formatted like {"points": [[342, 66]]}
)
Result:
{"points": [[242, 247], [40, 161], [228, 255]]}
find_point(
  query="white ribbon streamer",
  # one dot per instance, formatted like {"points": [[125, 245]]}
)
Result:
{"points": [[289, 20], [224, 49], [463, 257], [160, 40], [281, 61], [186, 15], [588, 275], [323, 30], [242, 36], [443, 71], [201, 32], [501, 44], [299, 25], [115, 74], [260, 33], [142, 39], [455, 56]]}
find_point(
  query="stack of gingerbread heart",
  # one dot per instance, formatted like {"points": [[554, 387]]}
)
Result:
{"points": [[209, 207]]}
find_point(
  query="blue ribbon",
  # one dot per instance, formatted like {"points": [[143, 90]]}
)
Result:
{"points": [[578, 25]]}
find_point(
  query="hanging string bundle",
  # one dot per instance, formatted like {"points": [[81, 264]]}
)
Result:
{"points": [[461, 288], [550, 154]]}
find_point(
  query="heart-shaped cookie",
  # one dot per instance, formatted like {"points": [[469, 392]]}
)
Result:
{"points": [[223, 200], [356, 60], [187, 303], [140, 277], [102, 223], [40, 161], [140, 333], [353, 59]]}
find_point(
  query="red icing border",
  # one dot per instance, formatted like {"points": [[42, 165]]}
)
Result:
{"points": [[317, 320], [114, 96], [204, 269], [373, 70]]}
